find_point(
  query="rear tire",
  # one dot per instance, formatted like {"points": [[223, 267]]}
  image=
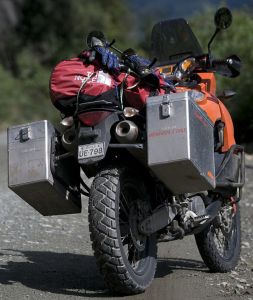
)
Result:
{"points": [[220, 243], [118, 202]]}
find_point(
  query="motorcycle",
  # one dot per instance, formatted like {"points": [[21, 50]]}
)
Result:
{"points": [[161, 173]]}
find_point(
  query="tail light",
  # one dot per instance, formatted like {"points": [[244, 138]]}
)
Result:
{"points": [[92, 118]]}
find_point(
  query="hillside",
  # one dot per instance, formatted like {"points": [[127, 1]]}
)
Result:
{"points": [[182, 8]]}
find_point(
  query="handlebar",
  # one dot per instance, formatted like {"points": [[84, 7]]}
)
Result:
{"points": [[229, 67], [219, 62]]}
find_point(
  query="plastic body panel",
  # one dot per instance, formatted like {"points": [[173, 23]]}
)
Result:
{"points": [[214, 108], [29, 167], [180, 146]]}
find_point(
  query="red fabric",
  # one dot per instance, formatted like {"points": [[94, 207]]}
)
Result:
{"points": [[138, 95], [67, 77]]}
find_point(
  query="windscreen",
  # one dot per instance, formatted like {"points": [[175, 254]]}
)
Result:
{"points": [[172, 41]]}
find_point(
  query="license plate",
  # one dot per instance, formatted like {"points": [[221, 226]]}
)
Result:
{"points": [[90, 150]]}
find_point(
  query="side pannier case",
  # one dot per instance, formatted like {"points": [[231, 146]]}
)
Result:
{"points": [[33, 174], [180, 143]]}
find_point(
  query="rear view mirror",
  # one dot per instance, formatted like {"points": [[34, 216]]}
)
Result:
{"points": [[223, 18]]}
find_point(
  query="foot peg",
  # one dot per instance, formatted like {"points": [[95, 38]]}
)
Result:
{"points": [[200, 220]]}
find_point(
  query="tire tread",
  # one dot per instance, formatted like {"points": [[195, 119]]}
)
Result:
{"points": [[102, 220], [211, 256]]}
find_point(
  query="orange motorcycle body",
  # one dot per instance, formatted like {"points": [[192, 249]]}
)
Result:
{"points": [[213, 107]]}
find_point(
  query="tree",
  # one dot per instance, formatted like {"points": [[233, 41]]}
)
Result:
{"points": [[57, 29], [46, 32], [238, 40]]}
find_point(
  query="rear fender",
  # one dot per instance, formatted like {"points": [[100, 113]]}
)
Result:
{"points": [[101, 133]]}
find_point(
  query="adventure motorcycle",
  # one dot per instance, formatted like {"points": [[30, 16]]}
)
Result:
{"points": [[160, 173]]}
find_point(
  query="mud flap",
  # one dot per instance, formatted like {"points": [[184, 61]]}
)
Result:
{"points": [[97, 138]]}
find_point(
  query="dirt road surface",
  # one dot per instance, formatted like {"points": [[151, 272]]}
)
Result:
{"points": [[51, 257]]}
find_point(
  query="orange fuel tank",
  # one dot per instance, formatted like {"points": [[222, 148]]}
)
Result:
{"points": [[214, 108]]}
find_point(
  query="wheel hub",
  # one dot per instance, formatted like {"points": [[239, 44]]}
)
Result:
{"points": [[137, 214], [226, 216]]}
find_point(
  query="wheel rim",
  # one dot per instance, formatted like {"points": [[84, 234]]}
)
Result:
{"points": [[224, 231], [131, 211]]}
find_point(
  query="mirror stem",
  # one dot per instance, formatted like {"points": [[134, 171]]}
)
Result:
{"points": [[210, 42]]}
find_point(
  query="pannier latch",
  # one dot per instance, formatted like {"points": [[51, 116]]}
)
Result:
{"points": [[24, 134], [166, 107]]}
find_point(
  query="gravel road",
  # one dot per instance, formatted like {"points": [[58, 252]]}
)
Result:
{"points": [[51, 257]]}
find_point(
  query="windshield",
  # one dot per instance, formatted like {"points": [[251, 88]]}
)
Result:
{"points": [[172, 41]]}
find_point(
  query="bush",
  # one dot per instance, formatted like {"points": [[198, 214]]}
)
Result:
{"points": [[235, 40]]}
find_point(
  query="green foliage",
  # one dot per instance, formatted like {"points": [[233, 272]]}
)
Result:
{"points": [[25, 98], [237, 39], [49, 31], [58, 29]]}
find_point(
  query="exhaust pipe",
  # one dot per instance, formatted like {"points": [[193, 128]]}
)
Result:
{"points": [[126, 132], [69, 139]]}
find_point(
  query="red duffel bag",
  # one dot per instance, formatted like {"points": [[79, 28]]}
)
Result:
{"points": [[74, 77]]}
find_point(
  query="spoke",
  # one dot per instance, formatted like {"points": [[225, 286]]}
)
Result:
{"points": [[224, 242], [130, 206], [125, 240], [131, 253], [124, 229], [225, 234], [230, 239], [137, 256], [227, 245], [224, 245], [220, 245], [124, 205]]}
